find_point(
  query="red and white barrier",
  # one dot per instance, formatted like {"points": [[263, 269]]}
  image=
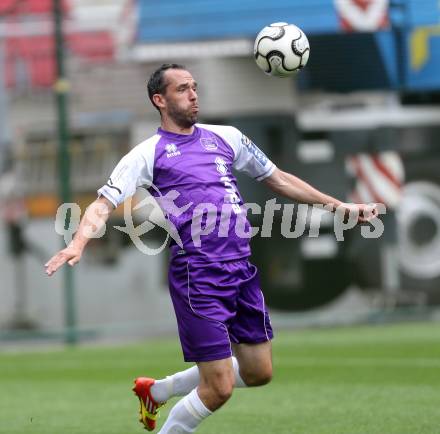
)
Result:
{"points": [[362, 15], [379, 178]]}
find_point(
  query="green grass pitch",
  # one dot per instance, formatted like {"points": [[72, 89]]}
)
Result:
{"points": [[357, 380]]}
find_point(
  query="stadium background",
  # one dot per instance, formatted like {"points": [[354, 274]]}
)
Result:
{"points": [[360, 122]]}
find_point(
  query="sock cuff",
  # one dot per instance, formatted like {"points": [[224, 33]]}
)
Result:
{"points": [[239, 382], [235, 363], [195, 406], [169, 385]]}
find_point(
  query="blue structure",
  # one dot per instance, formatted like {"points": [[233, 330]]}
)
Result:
{"points": [[183, 20], [405, 55]]}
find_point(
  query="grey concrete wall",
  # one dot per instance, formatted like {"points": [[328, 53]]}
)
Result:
{"points": [[132, 290]]}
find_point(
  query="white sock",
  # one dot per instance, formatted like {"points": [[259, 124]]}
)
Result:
{"points": [[186, 415], [181, 383], [239, 382]]}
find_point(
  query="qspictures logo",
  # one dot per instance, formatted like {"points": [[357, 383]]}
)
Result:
{"points": [[213, 220]]}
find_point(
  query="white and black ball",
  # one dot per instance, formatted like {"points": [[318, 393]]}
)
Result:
{"points": [[281, 49]]}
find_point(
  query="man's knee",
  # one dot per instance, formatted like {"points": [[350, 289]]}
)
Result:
{"points": [[257, 377], [216, 388], [222, 390]]}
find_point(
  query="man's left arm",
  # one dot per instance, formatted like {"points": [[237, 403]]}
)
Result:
{"points": [[294, 188]]}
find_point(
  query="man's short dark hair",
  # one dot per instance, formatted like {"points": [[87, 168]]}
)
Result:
{"points": [[156, 83]]}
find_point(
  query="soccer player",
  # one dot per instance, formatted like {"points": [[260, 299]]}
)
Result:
{"points": [[222, 319]]}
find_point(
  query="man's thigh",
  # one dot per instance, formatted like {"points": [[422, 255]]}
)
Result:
{"points": [[203, 308], [251, 324], [255, 361]]}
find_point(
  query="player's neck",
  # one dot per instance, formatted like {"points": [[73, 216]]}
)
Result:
{"points": [[172, 127]]}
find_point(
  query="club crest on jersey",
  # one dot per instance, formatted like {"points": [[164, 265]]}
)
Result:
{"points": [[209, 143], [221, 166], [172, 150], [254, 150]]}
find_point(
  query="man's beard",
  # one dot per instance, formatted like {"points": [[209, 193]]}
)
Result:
{"points": [[182, 118]]}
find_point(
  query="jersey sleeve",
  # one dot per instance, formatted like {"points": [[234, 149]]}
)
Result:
{"points": [[250, 159], [133, 170]]}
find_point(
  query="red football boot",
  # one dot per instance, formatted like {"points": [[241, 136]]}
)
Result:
{"points": [[149, 407]]}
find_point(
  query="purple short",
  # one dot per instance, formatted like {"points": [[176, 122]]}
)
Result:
{"points": [[216, 304]]}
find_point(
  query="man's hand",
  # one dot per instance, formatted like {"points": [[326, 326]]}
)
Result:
{"points": [[70, 254], [365, 212], [93, 220]]}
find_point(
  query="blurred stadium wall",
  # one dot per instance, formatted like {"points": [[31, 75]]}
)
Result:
{"points": [[365, 105]]}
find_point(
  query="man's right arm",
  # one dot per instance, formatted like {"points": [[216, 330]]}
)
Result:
{"points": [[94, 218]]}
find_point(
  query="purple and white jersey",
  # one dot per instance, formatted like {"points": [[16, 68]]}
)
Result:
{"points": [[213, 224]]}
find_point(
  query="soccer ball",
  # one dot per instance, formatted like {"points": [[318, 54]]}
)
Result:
{"points": [[281, 49]]}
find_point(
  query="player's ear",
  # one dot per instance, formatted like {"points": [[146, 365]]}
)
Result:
{"points": [[159, 100]]}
